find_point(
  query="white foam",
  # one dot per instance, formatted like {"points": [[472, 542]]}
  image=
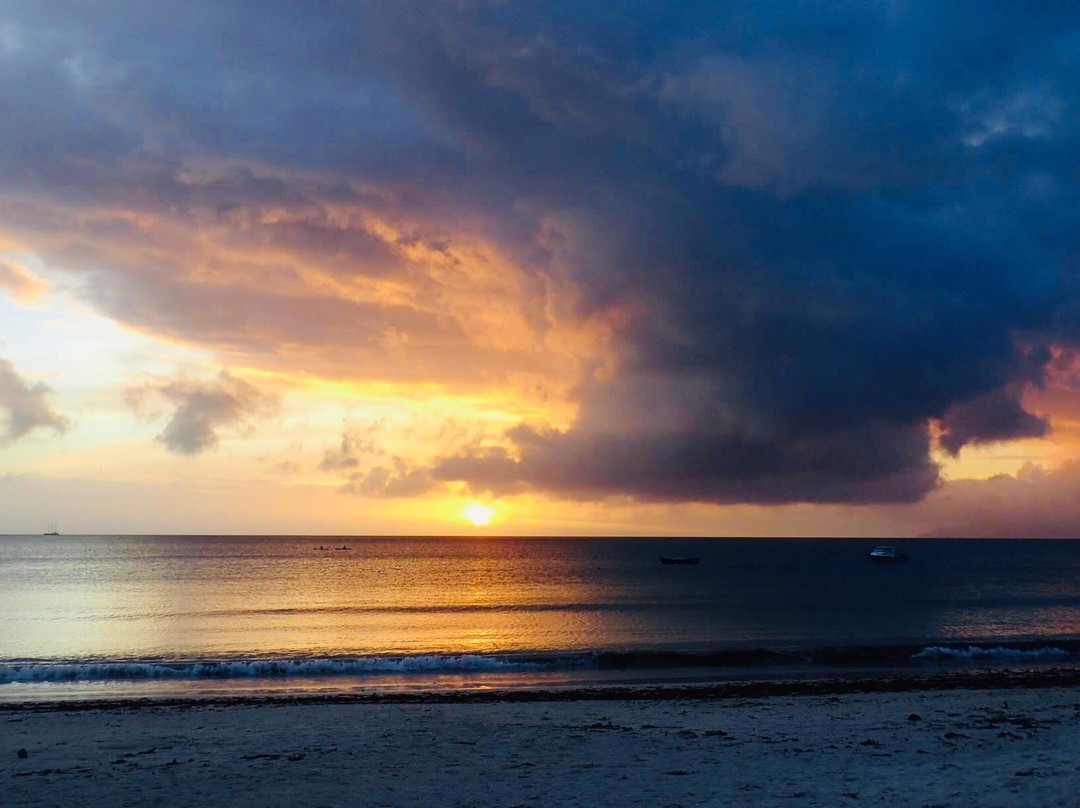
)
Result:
{"points": [[1000, 652], [38, 671]]}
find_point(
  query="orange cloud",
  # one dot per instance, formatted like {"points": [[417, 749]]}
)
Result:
{"points": [[360, 289], [24, 285]]}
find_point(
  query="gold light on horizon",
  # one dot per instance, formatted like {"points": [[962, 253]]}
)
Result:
{"points": [[478, 513]]}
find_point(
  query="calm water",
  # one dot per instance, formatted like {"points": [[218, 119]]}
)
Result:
{"points": [[78, 612]]}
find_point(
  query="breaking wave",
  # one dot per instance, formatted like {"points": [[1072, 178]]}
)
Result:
{"points": [[40, 671], [997, 653], [372, 667]]}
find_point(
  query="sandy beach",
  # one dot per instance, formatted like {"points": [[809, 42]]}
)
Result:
{"points": [[958, 747]]}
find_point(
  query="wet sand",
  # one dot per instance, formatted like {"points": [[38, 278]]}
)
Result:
{"points": [[994, 743]]}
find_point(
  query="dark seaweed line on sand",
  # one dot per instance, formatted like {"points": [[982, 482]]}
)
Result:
{"points": [[965, 680]]}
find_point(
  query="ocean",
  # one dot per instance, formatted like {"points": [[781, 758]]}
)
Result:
{"points": [[128, 616]]}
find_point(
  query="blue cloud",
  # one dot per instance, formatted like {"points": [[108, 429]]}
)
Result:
{"points": [[833, 221]]}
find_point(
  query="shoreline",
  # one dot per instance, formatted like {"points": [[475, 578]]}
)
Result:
{"points": [[953, 747], [835, 685]]}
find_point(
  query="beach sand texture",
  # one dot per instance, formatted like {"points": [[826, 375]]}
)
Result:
{"points": [[928, 748]]}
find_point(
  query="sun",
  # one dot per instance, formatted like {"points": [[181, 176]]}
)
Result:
{"points": [[478, 513]]}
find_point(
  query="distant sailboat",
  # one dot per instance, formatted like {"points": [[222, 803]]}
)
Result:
{"points": [[51, 531]]}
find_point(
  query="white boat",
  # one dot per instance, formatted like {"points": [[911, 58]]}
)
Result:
{"points": [[886, 554]]}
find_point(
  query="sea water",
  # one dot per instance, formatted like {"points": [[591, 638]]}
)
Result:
{"points": [[83, 616]]}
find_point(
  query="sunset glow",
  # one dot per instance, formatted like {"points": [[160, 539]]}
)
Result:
{"points": [[593, 286], [478, 513], [470, 402]]}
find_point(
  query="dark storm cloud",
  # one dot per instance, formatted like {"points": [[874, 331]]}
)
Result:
{"points": [[810, 227], [821, 305], [24, 406], [872, 463], [996, 416]]}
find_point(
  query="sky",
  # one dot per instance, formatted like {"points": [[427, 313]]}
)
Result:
{"points": [[778, 267]]}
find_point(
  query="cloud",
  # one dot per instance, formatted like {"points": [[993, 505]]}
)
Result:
{"points": [[995, 416], [764, 245], [366, 469], [1035, 502], [25, 406], [24, 285], [204, 408], [395, 480], [875, 463], [356, 442]]}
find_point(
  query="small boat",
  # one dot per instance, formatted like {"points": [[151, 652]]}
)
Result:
{"points": [[679, 560], [51, 533], [886, 554]]}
